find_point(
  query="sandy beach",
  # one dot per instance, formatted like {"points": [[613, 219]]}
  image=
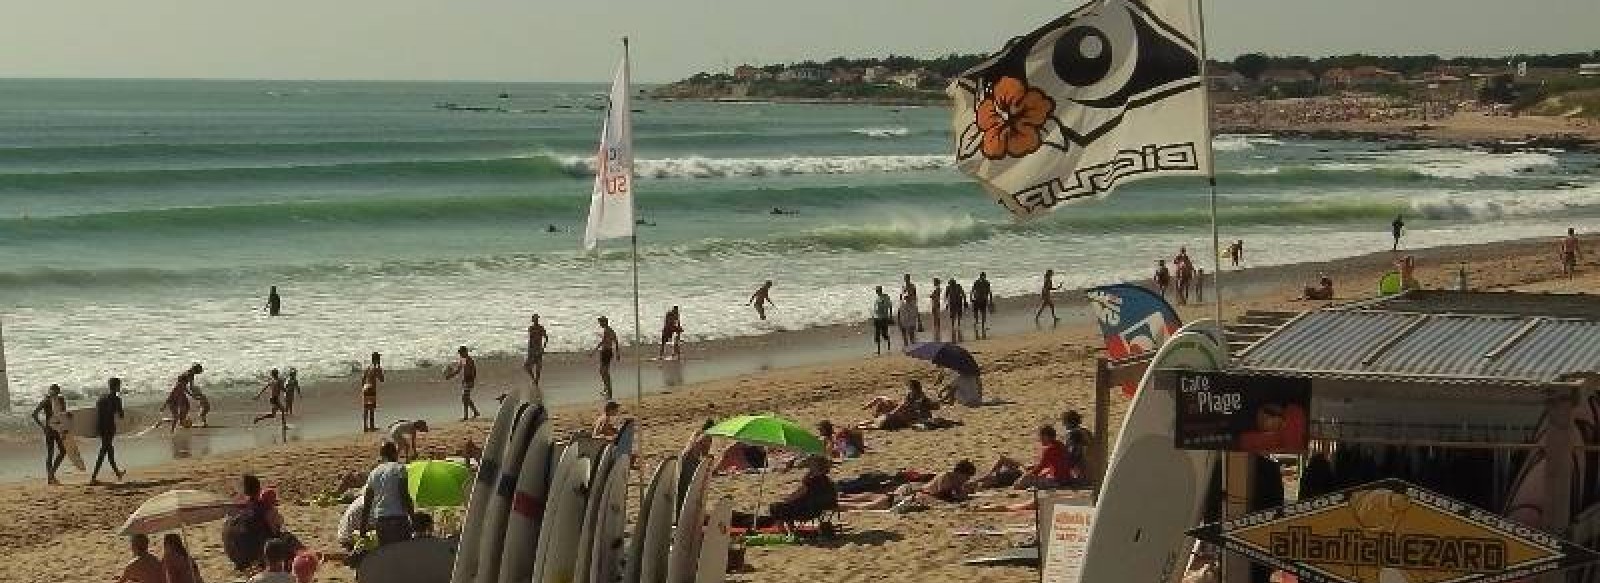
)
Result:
{"points": [[63, 533]]}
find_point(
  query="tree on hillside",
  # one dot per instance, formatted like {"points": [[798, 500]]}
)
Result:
{"points": [[1251, 65]]}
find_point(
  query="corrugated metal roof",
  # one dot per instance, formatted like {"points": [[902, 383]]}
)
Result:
{"points": [[1432, 347]]}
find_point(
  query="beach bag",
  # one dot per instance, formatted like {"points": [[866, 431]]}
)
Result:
{"points": [[244, 534]]}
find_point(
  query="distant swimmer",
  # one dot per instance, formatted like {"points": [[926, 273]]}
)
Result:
{"points": [[761, 299], [1046, 297], [551, 229], [274, 303], [782, 211], [643, 223]]}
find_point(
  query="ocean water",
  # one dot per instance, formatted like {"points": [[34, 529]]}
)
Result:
{"points": [[141, 222]]}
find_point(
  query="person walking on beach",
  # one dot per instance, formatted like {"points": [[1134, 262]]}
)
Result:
{"points": [[1397, 228], [908, 291], [1185, 269], [274, 391], [982, 303], [882, 311], [761, 299], [107, 411], [955, 304], [274, 303], [45, 416], [609, 349], [1569, 253], [905, 317], [935, 300], [1199, 285], [1046, 299], [671, 331], [1163, 277], [1236, 252], [369, 393], [467, 368], [291, 389], [538, 340]]}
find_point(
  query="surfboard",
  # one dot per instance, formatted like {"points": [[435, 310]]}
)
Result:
{"points": [[620, 449], [497, 505], [684, 559], [687, 464], [527, 509], [713, 564], [422, 560], [564, 511], [466, 562], [647, 550], [611, 519], [1153, 492], [81, 421]]}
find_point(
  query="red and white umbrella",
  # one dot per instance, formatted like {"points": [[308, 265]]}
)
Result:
{"points": [[176, 509]]}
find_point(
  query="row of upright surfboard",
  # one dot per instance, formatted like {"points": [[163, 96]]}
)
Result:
{"points": [[546, 513]]}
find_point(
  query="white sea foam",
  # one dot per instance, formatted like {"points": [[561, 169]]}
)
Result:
{"points": [[706, 167], [899, 132], [1238, 142]]}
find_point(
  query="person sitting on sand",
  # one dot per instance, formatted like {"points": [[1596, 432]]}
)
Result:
{"points": [[840, 443], [176, 563], [403, 434], [256, 520], [608, 422], [890, 415], [1052, 470], [145, 567], [278, 553], [814, 495], [953, 486], [1322, 291]]}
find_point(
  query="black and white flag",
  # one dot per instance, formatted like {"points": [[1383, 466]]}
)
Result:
{"points": [[1112, 92]]}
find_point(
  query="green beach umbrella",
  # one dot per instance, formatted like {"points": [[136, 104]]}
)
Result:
{"points": [[770, 431], [437, 483]]}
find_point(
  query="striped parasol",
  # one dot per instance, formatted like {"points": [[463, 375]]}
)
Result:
{"points": [[176, 509]]}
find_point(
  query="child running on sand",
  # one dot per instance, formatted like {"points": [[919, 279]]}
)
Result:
{"points": [[274, 388]]}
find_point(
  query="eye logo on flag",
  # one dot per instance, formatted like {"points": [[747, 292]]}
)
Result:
{"points": [[1133, 320], [1110, 92]]}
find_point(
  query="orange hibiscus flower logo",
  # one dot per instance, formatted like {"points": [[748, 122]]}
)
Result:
{"points": [[1012, 118]]}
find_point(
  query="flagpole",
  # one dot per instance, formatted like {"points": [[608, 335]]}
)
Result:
{"points": [[1211, 172], [638, 327]]}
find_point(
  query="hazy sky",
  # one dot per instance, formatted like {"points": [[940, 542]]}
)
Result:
{"points": [[574, 40]]}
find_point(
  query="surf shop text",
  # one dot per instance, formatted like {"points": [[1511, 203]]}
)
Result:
{"points": [[1405, 551]]}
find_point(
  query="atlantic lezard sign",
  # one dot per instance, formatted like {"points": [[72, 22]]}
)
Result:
{"points": [[1391, 531]]}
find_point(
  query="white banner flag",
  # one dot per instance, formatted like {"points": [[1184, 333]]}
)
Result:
{"points": [[611, 205], [1112, 92]]}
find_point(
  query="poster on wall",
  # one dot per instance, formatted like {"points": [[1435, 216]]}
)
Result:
{"points": [[1064, 536], [1391, 531], [1254, 414]]}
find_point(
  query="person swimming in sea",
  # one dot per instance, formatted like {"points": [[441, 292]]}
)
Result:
{"points": [[781, 211]]}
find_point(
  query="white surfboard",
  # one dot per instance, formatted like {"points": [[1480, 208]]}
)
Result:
{"points": [[713, 565], [526, 510], [620, 449], [653, 530], [554, 559], [685, 556], [1153, 492], [497, 506], [611, 519], [82, 420], [466, 563]]}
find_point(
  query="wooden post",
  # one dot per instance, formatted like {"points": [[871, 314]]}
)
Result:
{"points": [[1099, 451], [1558, 451], [1237, 474]]}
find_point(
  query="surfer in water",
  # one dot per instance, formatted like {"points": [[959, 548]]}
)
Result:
{"points": [[1046, 299], [274, 303], [45, 416], [467, 368], [608, 349], [780, 211], [369, 393], [761, 299]]}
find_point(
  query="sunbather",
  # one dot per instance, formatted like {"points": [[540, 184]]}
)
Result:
{"points": [[1053, 469], [952, 486], [887, 414], [841, 443], [814, 496]]}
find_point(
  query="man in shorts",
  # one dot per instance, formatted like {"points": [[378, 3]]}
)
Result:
{"points": [[107, 412], [982, 299], [955, 305], [1569, 253], [1046, 297], [608, 350], [671, 331], [537, 341], [274, 391], [49, 416], [882, 314], [761, 299], [369, 393], [467, 368]]}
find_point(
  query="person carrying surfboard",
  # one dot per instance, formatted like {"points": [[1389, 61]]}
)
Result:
{"points": [[107, 410], [45, 416]]}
